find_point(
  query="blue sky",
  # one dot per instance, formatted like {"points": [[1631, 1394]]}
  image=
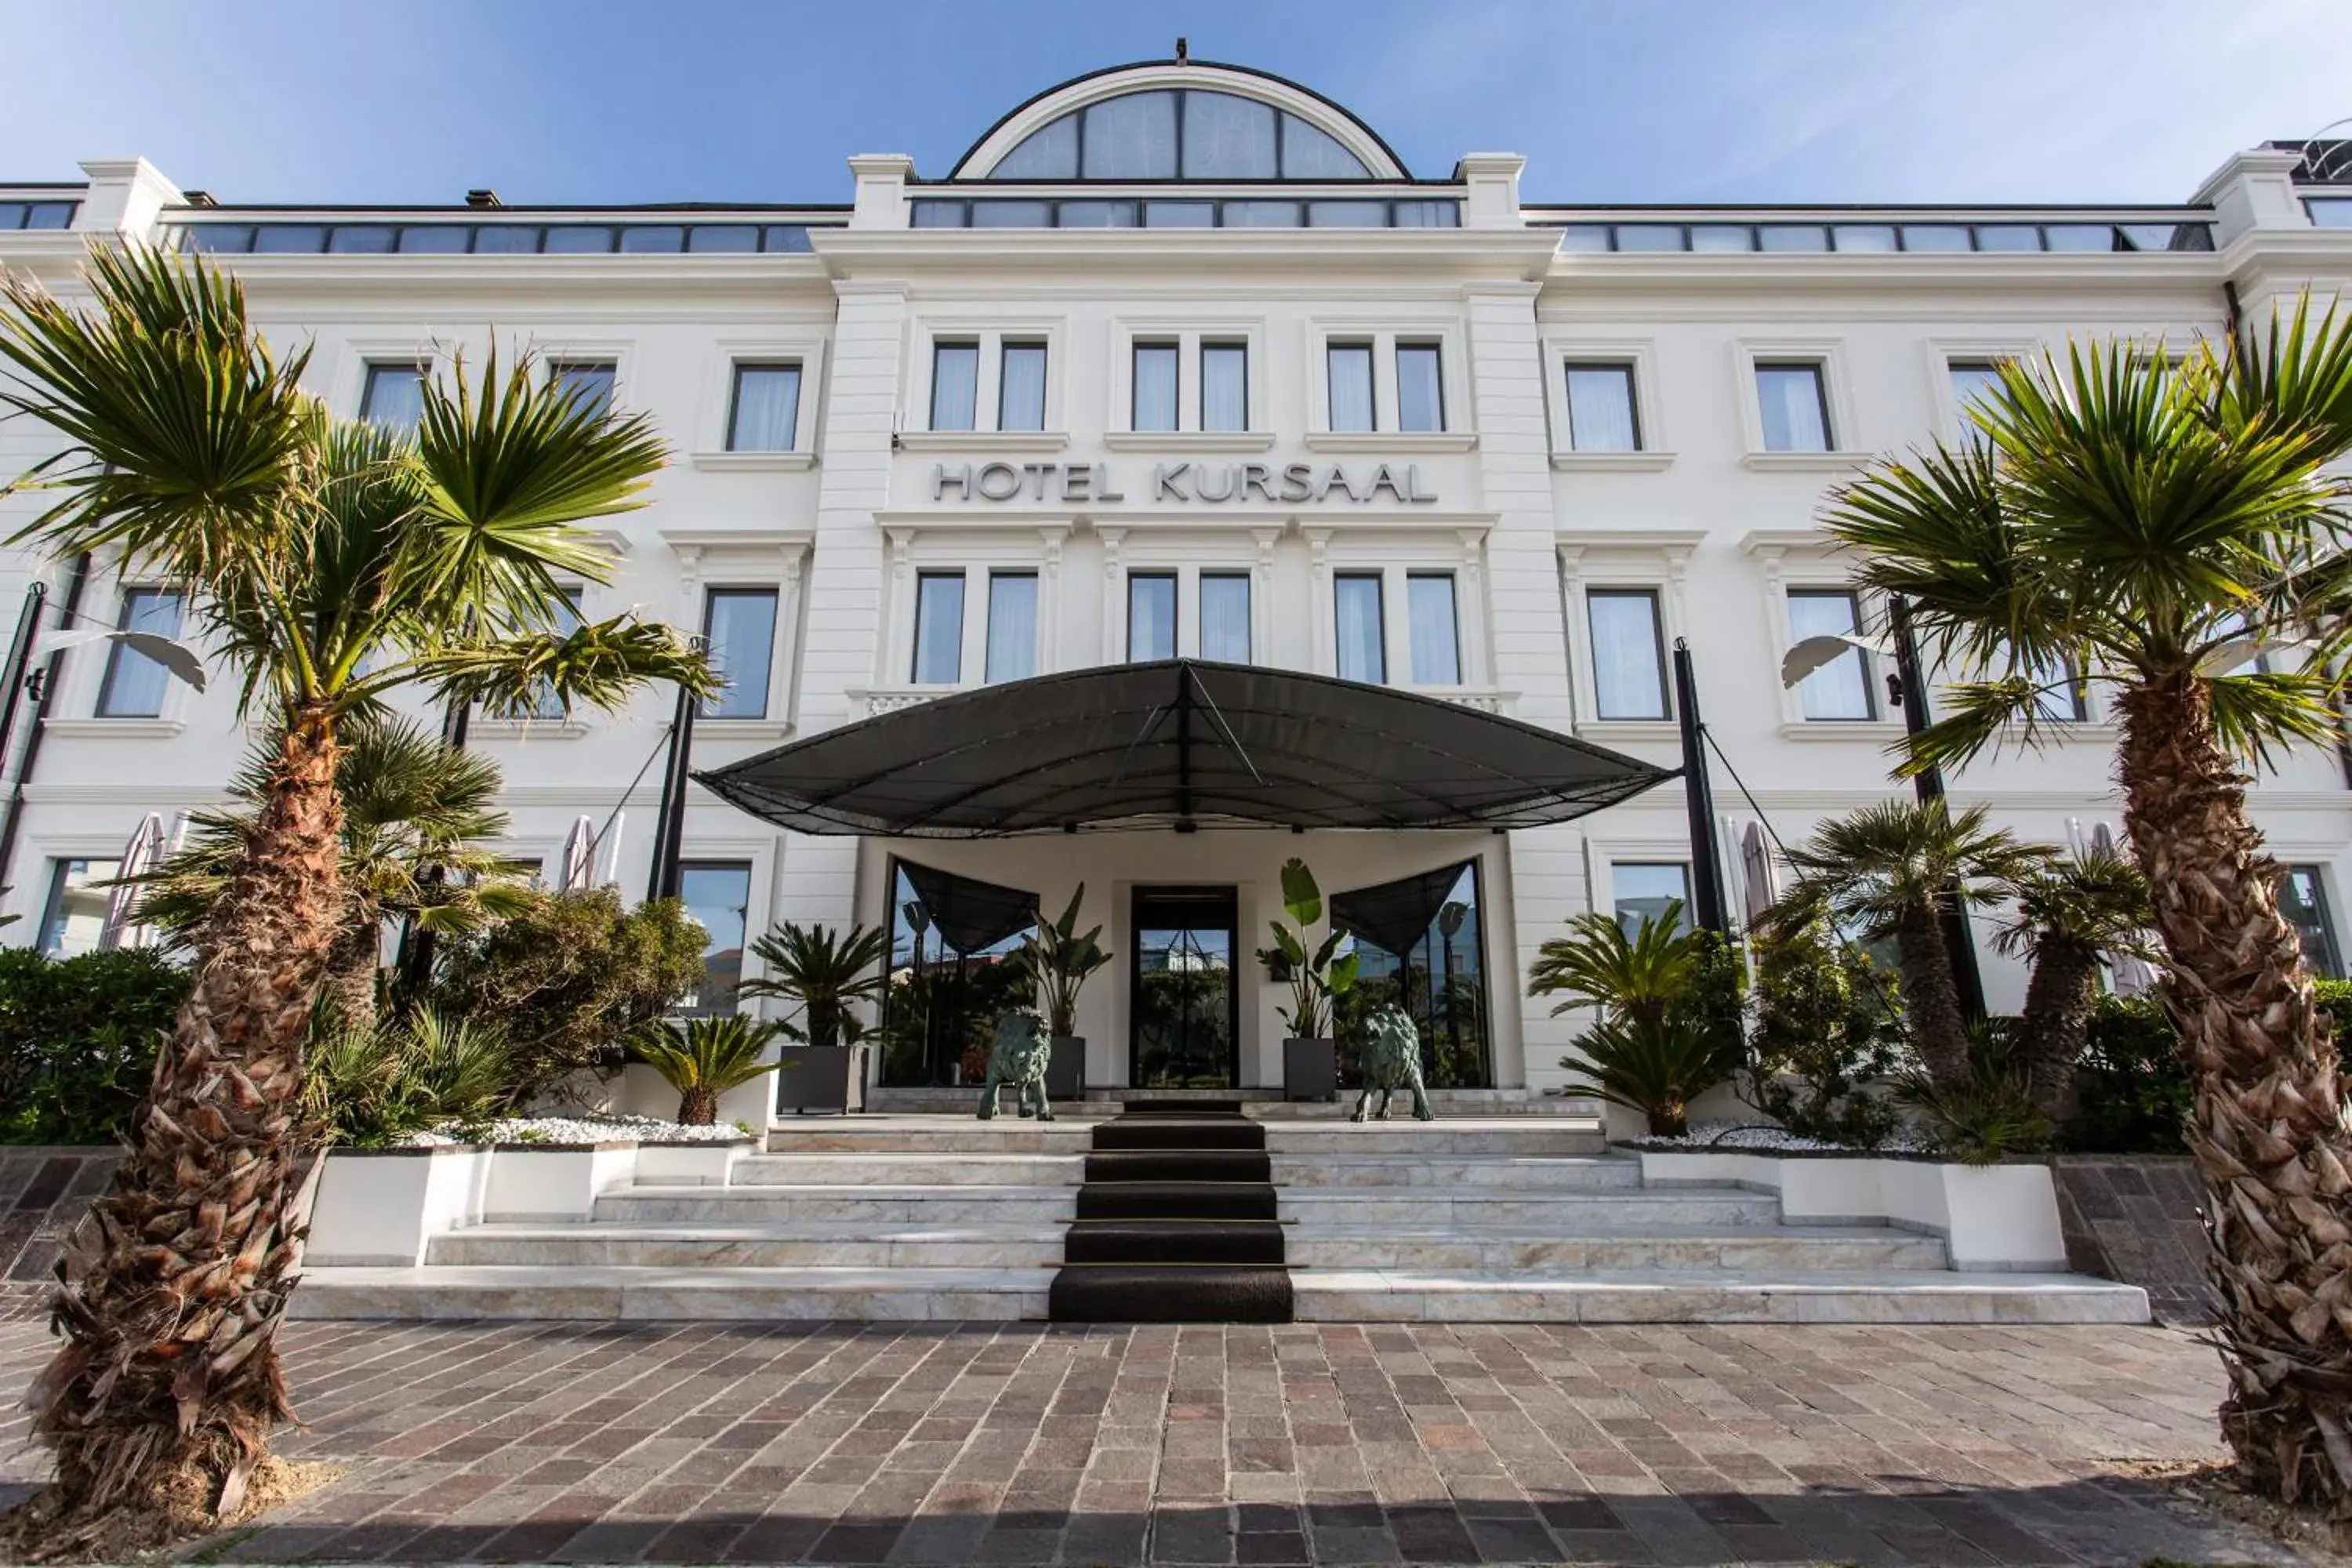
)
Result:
{"points": [[598, 101]]}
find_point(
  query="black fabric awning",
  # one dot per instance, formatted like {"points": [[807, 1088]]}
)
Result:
{"points": [[1177, 741], [969, 915], [1395, 915]]}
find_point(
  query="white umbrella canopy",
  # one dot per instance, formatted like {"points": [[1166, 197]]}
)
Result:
{"points": [[579, 857], [1756, 871], [141, 855], [608, 845]]}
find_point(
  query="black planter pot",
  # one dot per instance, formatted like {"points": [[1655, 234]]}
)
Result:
{"points": [[1065, 1068], [821, 1078], [1310, 1069]]}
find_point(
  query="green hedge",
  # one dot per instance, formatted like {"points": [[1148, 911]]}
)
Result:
{"points": [[2133, 1090], [77, 1040]]}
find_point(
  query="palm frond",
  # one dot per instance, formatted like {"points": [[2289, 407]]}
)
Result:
{"points": [[598, 663]]}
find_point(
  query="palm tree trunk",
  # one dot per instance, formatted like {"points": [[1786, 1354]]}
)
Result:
{"points": [[2265, 1129], [352, 962], [1931, 1002], [698, 1108], [2058, 998], [174, 1285]]}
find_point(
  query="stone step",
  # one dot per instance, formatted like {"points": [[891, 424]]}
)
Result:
{"points": [[712, 1244], [933, 1135], [1574, 1173], [1266, 1104], [1498, 1210], [1527, 1249], [607, 1293], [1416, 1296], [941, 1204], [960, 1168]]}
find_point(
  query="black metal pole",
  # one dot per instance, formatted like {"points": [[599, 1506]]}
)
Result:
{"points": [[1706, 871], [669, 833], [1929, 785], [44, 685]]}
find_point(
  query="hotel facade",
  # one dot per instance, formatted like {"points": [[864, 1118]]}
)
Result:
{"points": [[1179, 361]]}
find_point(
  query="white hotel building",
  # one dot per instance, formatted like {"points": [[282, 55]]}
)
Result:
{"points": [[1179, 361]]}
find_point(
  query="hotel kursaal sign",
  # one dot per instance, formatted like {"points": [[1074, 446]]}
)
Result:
{"points": [[1091, 483]]}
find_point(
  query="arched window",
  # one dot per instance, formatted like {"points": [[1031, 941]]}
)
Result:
{"points": [[1182, 133]]}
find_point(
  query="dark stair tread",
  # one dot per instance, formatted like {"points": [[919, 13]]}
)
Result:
{"points": [[1180, 1132], [1180, 1165], [1181, 1108], [1143, 1294], [1176, 1200], [1248, 1243]]}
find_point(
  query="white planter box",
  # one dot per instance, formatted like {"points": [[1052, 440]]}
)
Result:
{"points": [[555, 1186], [1992, 1217], [376, 1208], [690, 1164]]}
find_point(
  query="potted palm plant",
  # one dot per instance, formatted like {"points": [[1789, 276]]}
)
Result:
{"points": [[1059, 961], [702, 1058], [1316, 978], [823, 970]]}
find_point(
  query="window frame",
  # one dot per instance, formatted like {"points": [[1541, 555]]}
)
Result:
{"points": [[1435, 348], [1454, 625], [371, 369], [1248, 580], [53, 899], [1192, 334], [1201, 348], [1818, 373], [1847, 441], [1175, 581], [1174, 348], [712, 592], [1655, 595], [1638, 357], [1333, 348], [914, 664], [996, 575], [990, 336], [1872, 693], [1618, 858], [1007, 346], [737, 366], [1379, 580], [706, 859], [1625, 370], [588, 359], [942, 345], [126, 599], [2320, 871], [1384, 333]]}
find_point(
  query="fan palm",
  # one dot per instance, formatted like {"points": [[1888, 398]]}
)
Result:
{"points": [[825, 970], [1638, 973], [702, 1058], [328, 564], [413, 812], [2156, 527], [1670, 1015], [1892, 870], [2067, 916]]}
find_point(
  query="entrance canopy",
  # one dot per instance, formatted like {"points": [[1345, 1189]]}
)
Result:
{"points": [[1173, 742]]}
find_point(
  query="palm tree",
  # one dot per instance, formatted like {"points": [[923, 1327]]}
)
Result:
{"points": [[702, 1058], [825, 970], [1639, 974], [1669, 1028], [1892, 870], [415, 813], [329, 565], [2068, 915], [2156, 527]]}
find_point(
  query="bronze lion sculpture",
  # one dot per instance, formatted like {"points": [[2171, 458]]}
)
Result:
{"points": [[1391, 1061], [1018, 1058]]}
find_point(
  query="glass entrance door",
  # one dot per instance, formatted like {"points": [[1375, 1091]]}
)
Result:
{"points": [[1184, 1006]]}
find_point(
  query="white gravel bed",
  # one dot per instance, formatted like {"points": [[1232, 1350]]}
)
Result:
{"points": [[1706, 1137], [604, 1128]]}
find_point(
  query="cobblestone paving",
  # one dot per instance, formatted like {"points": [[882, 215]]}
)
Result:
{"points": [[933, 1443]]}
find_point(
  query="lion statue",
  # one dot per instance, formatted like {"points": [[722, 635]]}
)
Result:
{"points": [[1022, 1048], [1392, 1061]]}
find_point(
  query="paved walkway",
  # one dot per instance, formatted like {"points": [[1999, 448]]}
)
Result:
{"points": [[860, 1443]]}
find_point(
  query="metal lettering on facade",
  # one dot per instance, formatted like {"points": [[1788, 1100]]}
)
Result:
{"points": [[1286, 484]]}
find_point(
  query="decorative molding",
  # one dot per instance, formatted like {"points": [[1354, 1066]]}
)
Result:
{"points": [[114, 729], [1390, 441], [1612, 462], [1806, 462], [754, 462], [1188, 440], [982, 440]]}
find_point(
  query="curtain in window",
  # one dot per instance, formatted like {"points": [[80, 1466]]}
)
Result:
{"points": [[1310, 154], [1150, 616], [1436, 651], [1225, 386], [590, 383], [1357, 627], [1227, 137], [1225, 616], [1155, 386], [767, 408], [1012, 625], [1627, 676], [1601, 408], [393, 397], [1841, 689], [1788, 398], [1351, 386], [565, 621], [1131, 138], [1021, 396], [955, 386], [1420, 398], [938, 628], [135, 685], [740, 624]]}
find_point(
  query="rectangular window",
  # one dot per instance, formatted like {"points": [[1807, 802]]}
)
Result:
{"points": [[566, 622], [1225, 616], [134, 685], [1155, 386], [1421, 387], [1150, 616], [955, 385], [938, 628], [1021, 390], [2303, 899], [393, 398], [717, 894], [1362, 649], [1012, 625], [738, 627], [2063, 696], [1600, 415], [1793, 402], [75, 912], [1225, 386], [1840, 690], [1644, 889], [766, 413], [1436, 647], [590, 380], [1972, 380], [1629, 666], [1349, 366]]}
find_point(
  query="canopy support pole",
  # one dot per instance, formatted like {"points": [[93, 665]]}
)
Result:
{"points": [[1928, 785], [1707, 872]]}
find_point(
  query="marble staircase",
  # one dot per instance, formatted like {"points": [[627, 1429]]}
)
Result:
{"points": [[918, 1216]]}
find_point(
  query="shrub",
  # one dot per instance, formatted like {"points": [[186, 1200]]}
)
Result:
{"points": [[702, 1058], [78, 1039], [1826, 1029], [1670, 1024], [2132, 1089], [1989, 1114], [569, 979], [369, 1087]]}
